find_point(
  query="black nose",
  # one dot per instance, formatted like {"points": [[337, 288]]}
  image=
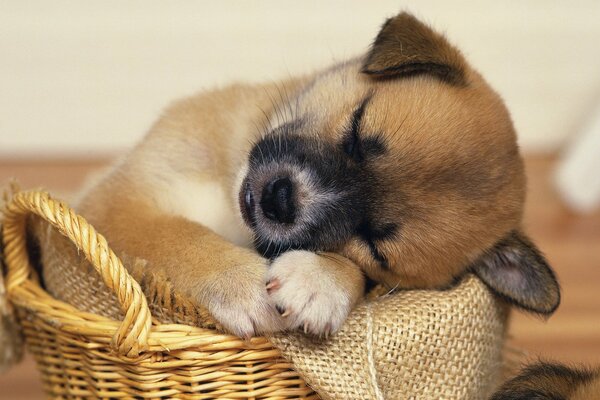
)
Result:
{"points": [[277, 201]]}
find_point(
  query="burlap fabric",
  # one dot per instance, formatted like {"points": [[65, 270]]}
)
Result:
{"points": [[406, 345]]}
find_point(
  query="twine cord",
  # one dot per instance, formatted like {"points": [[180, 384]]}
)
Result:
{"points": [[370, 355]]}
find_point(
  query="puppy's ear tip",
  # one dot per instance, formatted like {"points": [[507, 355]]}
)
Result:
{"points": [[404, 15], [516, 271], [405, 47], [553, 302], [542, 302], [545, 306]]}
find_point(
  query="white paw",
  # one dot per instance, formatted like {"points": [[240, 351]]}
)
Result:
{"points": [[239, 301], [307, 295]]}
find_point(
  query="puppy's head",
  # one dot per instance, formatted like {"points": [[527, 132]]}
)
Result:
{"points": [[404, 161]]}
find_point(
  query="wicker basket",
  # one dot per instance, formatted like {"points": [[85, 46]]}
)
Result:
{"points": [[84, 355], [452, 340]]}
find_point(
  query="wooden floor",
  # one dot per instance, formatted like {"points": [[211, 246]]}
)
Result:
{"points": [[571, 243]]}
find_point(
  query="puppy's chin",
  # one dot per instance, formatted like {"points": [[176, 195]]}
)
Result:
{"points": [[272, 250]]}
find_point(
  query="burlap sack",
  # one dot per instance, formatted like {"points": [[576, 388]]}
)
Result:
{"points": [[406, 345]]}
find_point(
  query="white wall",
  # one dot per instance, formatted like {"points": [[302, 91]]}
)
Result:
{"points": [[86, 78]]}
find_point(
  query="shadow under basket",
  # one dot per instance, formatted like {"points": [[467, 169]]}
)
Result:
{"points": [[410, 344]]}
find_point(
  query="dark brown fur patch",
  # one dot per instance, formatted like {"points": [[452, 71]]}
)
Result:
{"points": [[405, 46], [516, 270], [372, 235], [544, 381]]}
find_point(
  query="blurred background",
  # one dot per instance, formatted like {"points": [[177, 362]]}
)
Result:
{"points": [[80, 82]]}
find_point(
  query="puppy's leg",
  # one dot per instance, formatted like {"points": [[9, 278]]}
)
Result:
{"points": [[315, 292], [227, 279]]}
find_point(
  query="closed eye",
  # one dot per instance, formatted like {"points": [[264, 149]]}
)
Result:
{"points": [[351, 142], [354, 144]]}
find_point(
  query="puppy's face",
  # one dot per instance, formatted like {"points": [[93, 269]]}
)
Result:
{"points": [[404, 161]]}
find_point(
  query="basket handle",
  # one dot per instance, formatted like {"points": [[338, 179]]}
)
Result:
{"points": [[131, 336]]}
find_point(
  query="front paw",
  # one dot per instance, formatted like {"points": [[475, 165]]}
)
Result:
{"points": [[308, 293], [238, 299]]}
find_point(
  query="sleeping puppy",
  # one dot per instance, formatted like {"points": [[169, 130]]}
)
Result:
{"points": [[272, 204]]}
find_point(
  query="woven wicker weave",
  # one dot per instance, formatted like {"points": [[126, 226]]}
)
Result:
{"points": [[414, 345], [86, 355]]}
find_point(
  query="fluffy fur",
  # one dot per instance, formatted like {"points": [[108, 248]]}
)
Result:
{"points": [[547, 381], [270, 204]]}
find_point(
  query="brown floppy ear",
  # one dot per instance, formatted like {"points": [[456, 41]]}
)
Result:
{"points": [[405, 46], [516, 270]]}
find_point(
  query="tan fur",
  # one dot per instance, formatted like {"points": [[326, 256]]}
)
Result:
{"points": [[457, 156], [453, 171], [198, 140], [588, 391]]}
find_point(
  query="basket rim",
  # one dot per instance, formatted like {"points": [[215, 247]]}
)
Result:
{"points": [[172, 347], [31, 297]]}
